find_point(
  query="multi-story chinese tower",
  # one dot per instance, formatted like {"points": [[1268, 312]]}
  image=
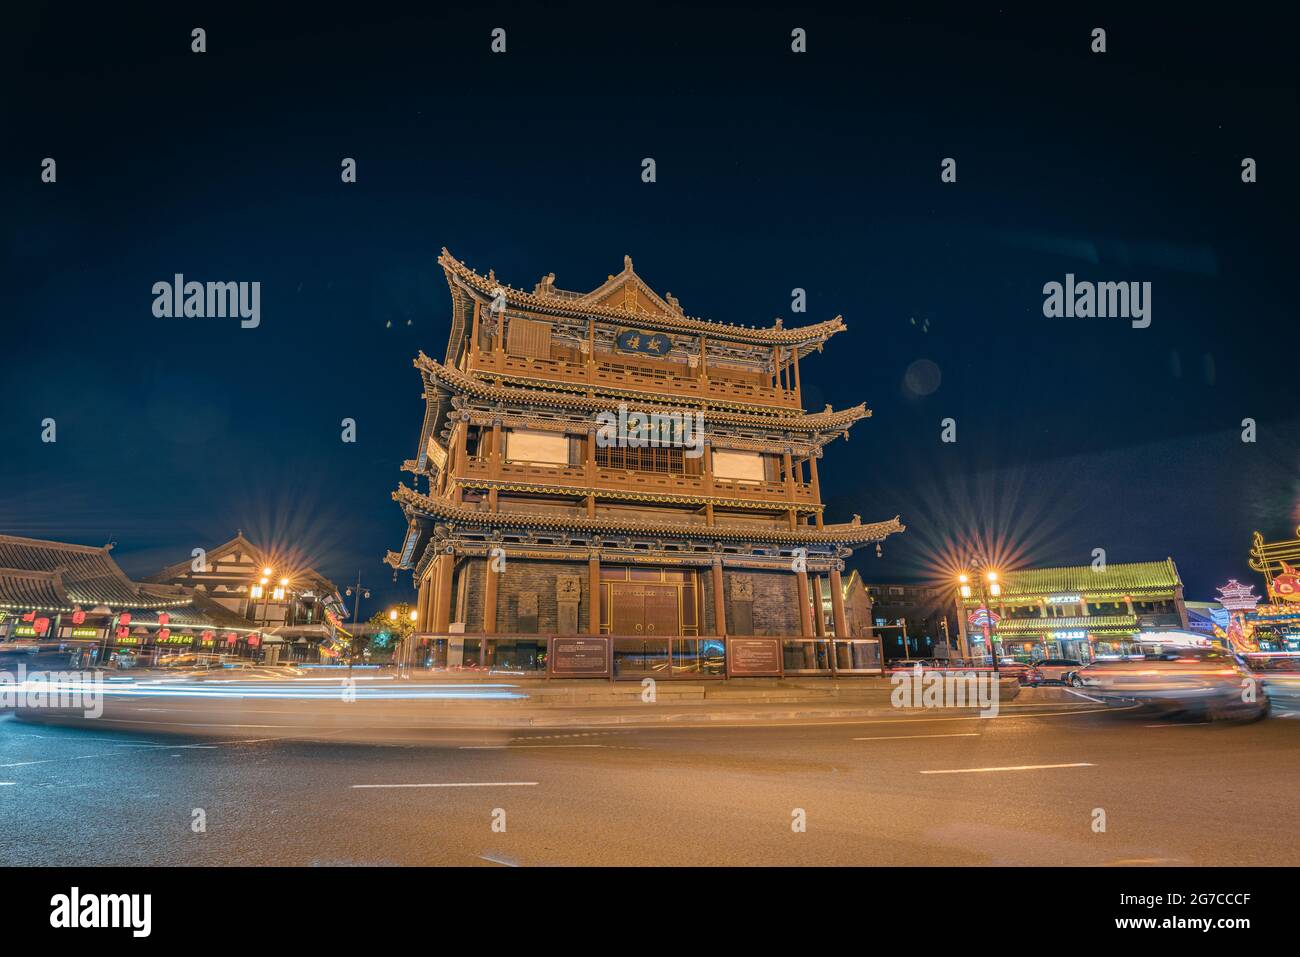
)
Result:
{"points": [[522, 521]]}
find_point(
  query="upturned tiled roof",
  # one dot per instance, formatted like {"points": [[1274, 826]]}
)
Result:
{"points": [[1020, 626], [846, 533], [1116, 579], [457, 381], [202, 612], [32, 591], [88, 575], [667, 317]]}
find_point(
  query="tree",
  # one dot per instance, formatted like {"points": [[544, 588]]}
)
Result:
{"points": [[390, 626]]}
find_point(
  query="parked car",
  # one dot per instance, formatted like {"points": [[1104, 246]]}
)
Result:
{"points": [[1053, 670], [1203, 681]]}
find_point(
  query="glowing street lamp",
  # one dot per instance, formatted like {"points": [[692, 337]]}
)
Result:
{"points": [[988, 585]]}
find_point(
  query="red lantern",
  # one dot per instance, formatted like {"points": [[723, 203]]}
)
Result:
{"points": [[163, 618], [164, 634], [122, 632], [124, 618], [30, 616], [208, 635], [230, 637], [78, 616], [41, 625], [254, 641]]}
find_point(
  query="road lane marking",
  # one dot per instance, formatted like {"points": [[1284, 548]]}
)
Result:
{"points": [[497, 860], [7, 784], [1014, 767], [457, 784], [908, 737], [1080, 694]]}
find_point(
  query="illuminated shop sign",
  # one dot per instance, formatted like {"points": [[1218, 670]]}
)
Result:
{"points": [[1069, 635], [1063, 599], [83, 632], [25, 631]]}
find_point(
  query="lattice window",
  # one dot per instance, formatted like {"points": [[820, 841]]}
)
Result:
{"points": [[528, 337], [665, 461]]}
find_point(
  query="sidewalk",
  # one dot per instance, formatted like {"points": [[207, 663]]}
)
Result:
{"points": [[597, 703]]}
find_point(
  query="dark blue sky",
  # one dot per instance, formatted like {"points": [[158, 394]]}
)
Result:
{"points": [[774, 171]]}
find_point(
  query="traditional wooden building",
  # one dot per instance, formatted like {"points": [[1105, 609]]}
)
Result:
{"points": [[1077, 612], [297, 608], [76, 596], [539, 505]]}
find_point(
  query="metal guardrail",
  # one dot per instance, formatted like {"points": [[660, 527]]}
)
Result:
{"points": [[633, 657]]}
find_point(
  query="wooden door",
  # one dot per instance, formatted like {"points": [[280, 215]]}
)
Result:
{"points": [[627, 608], [661, 611]]}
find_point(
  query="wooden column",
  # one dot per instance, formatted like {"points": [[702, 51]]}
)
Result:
{"points": [[708, 467], [794, 353], [819, 618], [805, 625], [434, 598], [816, 488], [787, 468], [473, 336], [719, 602], [498, 453], [490, 595], [593, 602], [442, 617], [421, 605], [837, 605], [459, 439]]}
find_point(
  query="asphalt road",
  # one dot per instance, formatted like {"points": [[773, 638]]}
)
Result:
{"points": [[931, 789]]}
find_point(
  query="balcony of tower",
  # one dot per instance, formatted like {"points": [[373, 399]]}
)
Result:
{"points": [[586, 367]]}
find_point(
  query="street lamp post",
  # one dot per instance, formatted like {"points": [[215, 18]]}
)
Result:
{"points": [[361, 592], [403, 649], [277, 593], [988, 585]]}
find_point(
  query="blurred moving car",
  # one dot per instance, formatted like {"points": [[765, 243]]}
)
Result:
{"points": [[20, 647], [122, 660], [190, 659], [1279, 673], [1209, 682], [1053, 670], [907, 664]]}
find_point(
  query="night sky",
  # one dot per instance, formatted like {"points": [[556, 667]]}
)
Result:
{"points": [[775, 171]]}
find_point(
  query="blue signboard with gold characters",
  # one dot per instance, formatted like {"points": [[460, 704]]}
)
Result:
{"points": [[646, 343]]}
